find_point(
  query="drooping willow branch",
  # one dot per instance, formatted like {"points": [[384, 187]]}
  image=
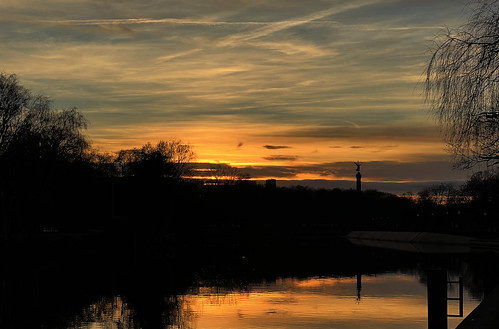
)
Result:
{"points": [[462, 87]]}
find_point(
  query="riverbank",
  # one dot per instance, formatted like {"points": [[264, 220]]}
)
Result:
{"points": [[422, 242]]}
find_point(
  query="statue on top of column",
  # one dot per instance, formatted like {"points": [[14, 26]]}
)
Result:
{"points": [[358, 176]]}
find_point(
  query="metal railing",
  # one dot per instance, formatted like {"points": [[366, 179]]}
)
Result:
{"points": [[458, 298]]}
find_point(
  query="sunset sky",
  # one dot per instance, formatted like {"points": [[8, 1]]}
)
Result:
{"points": [[289, 89]]}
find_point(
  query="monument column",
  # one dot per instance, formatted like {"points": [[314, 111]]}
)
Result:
{"points": [[358, 176]]}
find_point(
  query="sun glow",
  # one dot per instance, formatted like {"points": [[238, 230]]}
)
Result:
{"points": [[287, 152]]}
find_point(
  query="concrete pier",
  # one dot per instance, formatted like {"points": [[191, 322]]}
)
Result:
{"points": [[485, 315], [422, 242], [419, 242]]}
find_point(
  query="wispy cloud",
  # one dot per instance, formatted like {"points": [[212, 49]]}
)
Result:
{"points": [[372, 132], [286, 24], [281, 158], [276, 147], [129, 21], [178, 55]]}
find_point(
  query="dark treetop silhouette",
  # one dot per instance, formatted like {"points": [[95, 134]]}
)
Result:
{"points": [[462, 87]]}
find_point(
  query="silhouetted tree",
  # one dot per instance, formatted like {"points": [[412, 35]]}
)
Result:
{"points": [[104, 164], [42, 157], [170, 159], [440, 194], [51, 135], [483, 186], [224, 174], [32, 130], [462, 86], [14, 101]]}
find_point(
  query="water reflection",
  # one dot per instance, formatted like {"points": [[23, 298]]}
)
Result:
{"points": [[391, 300], [388, 301], [334, 285], [107, 313]]}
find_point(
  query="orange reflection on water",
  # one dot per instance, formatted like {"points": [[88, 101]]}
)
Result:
{"points": [[387, 301], [107, 313]]}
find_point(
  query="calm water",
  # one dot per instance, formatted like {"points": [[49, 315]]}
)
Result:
{"points": [[299, 285], [392, 300]]}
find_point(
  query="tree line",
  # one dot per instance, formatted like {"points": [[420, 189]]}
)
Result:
{"points": [[49, 171]]}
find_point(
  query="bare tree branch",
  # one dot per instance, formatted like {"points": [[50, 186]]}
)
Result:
{"points": [[462, 87]]}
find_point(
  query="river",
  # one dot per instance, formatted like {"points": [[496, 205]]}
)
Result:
{"points": [[304, 285]]}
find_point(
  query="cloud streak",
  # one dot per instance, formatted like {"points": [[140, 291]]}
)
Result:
{"points": [[373, 132], [276, 147], [286, 24], [281, 158], [131, 21]]}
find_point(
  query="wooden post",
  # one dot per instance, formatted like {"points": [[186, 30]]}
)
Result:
{"points": [[359, 286], [437, 299]]}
